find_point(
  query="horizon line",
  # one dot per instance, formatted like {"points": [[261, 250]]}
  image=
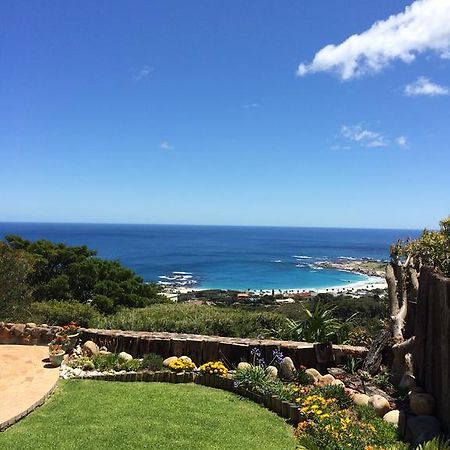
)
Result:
{"points": [[213, 225]]}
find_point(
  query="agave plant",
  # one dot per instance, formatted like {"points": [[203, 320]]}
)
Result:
{"points": [[320, 325]]}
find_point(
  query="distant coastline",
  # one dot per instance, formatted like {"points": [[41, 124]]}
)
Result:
{"points": [[235, 258]]}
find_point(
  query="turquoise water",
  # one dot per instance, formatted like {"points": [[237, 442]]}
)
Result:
{"points": [[224, 257]]}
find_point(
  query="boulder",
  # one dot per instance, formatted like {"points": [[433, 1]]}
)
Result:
{"points": [[337, 382], [90, 348], [360, 399], [244, 365], [422, 404], [124, 356], [407, 382], [18, 329], [326, 380], [272, 372], [287, 368], [379, 404], [167, 361], [186, 358], [421, 428], [31, 325], [313, 374], [392, 417]]}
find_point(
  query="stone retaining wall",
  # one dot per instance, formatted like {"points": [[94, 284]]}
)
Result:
{"points": [[199, 348]]}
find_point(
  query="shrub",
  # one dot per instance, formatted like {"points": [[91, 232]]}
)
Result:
{"points": [[345, 429], [195, 319], [61, 313], [152, 362], [333, 392]]}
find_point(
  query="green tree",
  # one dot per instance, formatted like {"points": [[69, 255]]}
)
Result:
{"points": [[15, 291]]}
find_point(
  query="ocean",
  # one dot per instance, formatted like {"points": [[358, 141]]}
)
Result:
{"points": [[224, 257]]}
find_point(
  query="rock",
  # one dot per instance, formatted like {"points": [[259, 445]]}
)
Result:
{"points": [[379, 404], [18, 329], [422, 404], [167, 361], [272, 372], [90, 348], [392, 417], [124, 356], [326, 380], [244, 365], [31, 325], [337, 382], [77, 372], [360, 399], [44, 325], [407, 382], [104, 352], [414, 390], [420, 428], [313, 374], [287, 368], [186, 358]]}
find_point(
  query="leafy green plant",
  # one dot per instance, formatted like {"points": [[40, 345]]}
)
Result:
{"points": [[333, 391], [59, 313], [152, 362], [320, 325], [254, 378], [347, 429], [352, 365], [435, 444], [431, 249]]}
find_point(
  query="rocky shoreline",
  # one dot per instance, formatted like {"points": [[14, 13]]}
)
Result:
{"points": [[371, 268]]}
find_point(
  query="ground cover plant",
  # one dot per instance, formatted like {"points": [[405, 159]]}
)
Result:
{"points": [[112, 415]]}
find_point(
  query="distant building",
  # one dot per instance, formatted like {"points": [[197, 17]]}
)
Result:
{"points": [[285, 300]]}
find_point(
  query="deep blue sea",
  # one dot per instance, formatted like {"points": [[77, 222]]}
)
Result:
{"points": [[223, 256]]}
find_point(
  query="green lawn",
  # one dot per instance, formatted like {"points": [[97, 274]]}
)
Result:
{"points": [[113, 415]]}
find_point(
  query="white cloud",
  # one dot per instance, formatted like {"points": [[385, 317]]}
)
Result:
{"points": [[422, 26], [362, 136], [401, 141], [423, 86], [250, 105], [143, 73], [166, 146]]}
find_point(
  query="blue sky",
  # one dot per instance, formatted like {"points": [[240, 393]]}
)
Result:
{"points": [[235, 112]]}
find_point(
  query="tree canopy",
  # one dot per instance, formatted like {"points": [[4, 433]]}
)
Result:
{"points": [[432, 248], [61, 272]]}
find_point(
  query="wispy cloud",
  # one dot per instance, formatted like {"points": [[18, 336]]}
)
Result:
{"points": [[143, 73], [251, 105], [363, 136], [401, 141], [423, 86], [166, 146], [422, 26]]}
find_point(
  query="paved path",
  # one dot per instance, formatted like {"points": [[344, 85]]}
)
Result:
{"points": [[26, 380]]}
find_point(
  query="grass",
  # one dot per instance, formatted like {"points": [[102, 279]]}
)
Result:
{"points": [[160, 416]]}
